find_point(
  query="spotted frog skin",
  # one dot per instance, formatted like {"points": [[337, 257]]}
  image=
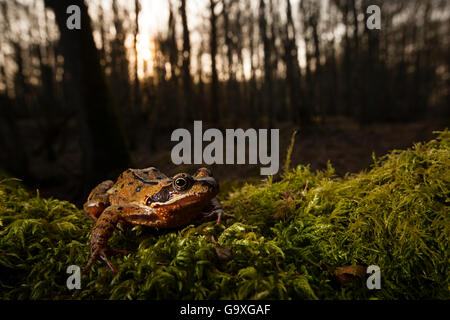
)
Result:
{"points": [[149, 198]]}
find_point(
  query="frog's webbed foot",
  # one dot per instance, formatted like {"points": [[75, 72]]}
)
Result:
{"points": [[104, 255], [214, 210]]}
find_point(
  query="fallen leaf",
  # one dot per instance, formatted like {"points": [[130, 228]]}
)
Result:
{"points": [[350, 273]]}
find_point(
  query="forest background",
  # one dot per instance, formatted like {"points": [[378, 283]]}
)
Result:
{"points": [[78, 107]]}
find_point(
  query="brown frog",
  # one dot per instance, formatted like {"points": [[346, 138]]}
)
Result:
{"points": [[147, 197]]}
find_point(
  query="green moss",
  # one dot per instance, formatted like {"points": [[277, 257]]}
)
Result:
{"points": [[288, 238]]}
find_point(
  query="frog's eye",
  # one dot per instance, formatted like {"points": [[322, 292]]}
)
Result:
{"points": [[181, 183]]}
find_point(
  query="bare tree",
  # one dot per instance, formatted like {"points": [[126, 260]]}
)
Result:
{"points": [[186, 65], [89, 93], [137, 100], [268, 84], [215, 110]]}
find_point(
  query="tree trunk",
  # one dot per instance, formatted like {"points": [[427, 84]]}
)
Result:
{"points": [[214, 81], [268, 85], [104, 147], [186, 66], [137, 97], [231, 103]]}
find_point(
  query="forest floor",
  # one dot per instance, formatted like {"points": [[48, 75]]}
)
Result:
{"points": [[348, 146], [309, 235]]}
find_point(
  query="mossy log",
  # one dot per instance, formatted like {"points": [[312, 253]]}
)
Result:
{"points": [[293, 239]]}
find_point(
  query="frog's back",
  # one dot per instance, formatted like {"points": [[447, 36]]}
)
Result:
{"points": [[136, 185]]}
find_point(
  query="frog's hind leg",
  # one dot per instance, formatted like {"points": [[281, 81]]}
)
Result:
{"points": [[98, 200], [103, 230]]}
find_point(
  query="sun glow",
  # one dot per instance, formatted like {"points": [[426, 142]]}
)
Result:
{"points": [[145, 47]]}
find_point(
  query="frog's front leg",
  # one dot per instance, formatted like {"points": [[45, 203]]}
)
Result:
{"points": [[214, 210], [98, 200], [103, 230]]}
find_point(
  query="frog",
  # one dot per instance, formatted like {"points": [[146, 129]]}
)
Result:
{"points": [[147, 197]]}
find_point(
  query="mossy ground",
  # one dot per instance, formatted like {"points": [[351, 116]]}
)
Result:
{"points": [[287, 241]]}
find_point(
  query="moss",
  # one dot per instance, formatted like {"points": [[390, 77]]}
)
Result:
{"points": [[288, 239]]}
